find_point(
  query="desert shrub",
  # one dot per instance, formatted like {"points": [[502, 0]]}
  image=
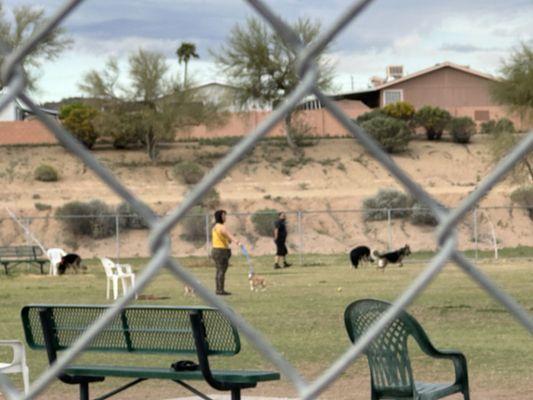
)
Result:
{"points": [[129, 218], [42, 206], [74, 216], [487, 126], [504, 125], [194, 227], [377, 112], [393, 134], [45, 173], [94, 219], [220, 141], [263, 221], [434, 120], [400, 109], [422, 215], [302, 133], [462, 129], [376, 208], [78, 118], [123, 128], [188, 172], [524, 197], [211, 199]]}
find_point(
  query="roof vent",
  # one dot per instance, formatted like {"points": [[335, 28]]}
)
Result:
{"points": [[394, 72], [376, 81]]}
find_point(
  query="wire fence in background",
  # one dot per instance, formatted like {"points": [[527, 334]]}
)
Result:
{"points": [[483, 232], [159, 241]]}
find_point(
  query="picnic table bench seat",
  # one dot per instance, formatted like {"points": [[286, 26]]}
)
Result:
{"points": [[194, 331], [22, 254]]}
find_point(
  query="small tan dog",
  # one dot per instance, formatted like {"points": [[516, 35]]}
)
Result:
{"points": [[256, 282], [188, 291]]}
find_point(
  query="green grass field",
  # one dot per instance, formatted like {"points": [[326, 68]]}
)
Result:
{"points": [[301, 314]]}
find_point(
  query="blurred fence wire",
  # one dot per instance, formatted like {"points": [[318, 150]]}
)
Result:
{"points": [[446, 232]]}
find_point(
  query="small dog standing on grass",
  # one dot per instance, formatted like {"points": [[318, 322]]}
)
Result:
{"points": [[393, 257], [359, 254], [256, 282], [188, 290]]}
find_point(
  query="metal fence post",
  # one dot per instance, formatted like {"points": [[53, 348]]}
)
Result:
{"points": [[475, 234], [300, 236], [207, 238], [117, 236], [389, 229]]}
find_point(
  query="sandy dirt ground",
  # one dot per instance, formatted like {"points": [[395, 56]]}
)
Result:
{"points": [[335, 175]]}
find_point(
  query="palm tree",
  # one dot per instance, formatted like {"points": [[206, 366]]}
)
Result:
{"points": [[184, 53]]}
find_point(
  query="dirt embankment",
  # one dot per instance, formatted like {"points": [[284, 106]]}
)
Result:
{"points": [[335, 175]]}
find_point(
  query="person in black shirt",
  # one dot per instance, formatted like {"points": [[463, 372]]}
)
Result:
{"points": [[280, 236]]}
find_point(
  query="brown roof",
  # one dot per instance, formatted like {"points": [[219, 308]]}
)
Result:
{"points": [[25, 132], [436, 67]]}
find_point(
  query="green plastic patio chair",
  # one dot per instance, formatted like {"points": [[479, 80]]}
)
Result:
{"points": [[388, 357]]}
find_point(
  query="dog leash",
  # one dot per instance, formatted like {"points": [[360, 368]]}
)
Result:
{"points": [[248, 260]]}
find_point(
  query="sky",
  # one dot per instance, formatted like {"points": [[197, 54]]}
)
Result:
{"points": [[413, 33]]}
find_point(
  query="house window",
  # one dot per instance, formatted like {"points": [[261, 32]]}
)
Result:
{"points": [[481, 115], [392, 96]]}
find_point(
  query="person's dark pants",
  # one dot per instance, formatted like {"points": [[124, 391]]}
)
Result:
{"points": [[221, 258], [281, 248]]}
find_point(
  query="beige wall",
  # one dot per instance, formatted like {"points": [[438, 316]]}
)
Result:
{"points": [[240, 124], [446, 87], [25, 132]]}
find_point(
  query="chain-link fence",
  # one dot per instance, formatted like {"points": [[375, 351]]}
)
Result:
{"points": [[447, 232], [483, 232]]}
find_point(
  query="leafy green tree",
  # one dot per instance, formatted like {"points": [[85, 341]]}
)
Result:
{"points": [[434, 120], [262, 65], [185, 52], [151, 108], [78, 119], [17, 30], [515, 89], [500, 144]]}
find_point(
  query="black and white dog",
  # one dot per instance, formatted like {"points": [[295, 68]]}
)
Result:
{"points": [[392, 257], [359, 254], [70, 260]]}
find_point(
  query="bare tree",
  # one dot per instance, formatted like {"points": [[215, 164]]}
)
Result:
{"points": [[17, 30], [151, 108]]}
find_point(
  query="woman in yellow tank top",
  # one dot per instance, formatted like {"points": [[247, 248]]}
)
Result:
{"points": [[221, 253]]}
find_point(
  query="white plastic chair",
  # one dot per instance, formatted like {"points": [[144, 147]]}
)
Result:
{"points": [[18, 365], [55, 255], [114, 272]]}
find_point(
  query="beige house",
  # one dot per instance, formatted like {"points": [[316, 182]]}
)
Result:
{"points": [[459, 89]]}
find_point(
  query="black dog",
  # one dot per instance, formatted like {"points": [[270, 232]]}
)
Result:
{"points": [[70, 260], [360, 253], [392, 257]]}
